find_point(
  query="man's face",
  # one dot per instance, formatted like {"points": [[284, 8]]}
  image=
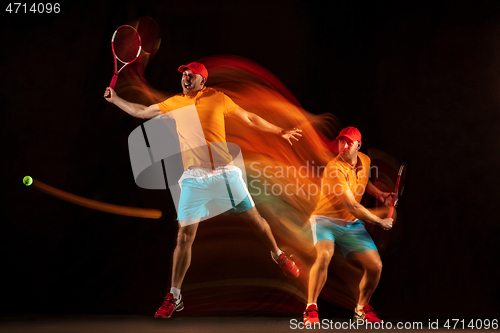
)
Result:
{"points": [[348, 148], [191, 82]]}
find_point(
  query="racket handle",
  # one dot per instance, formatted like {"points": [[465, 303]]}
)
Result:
{"points": [[391, 211], [113, 81]]}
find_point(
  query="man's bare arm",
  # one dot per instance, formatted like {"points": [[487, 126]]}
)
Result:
{"points": [[384, 197], [360, 212], [133, 109], [255, 121]]}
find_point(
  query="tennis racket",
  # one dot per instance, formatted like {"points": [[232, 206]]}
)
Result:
{"points": [[398, 189], [126, 46]]}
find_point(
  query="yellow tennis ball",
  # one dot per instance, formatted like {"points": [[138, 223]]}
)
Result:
{"points": [[27, 180]]}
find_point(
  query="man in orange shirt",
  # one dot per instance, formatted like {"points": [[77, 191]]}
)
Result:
{"points": [[207, 170], [339, 218]]}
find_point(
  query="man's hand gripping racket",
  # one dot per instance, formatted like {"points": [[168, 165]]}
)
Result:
{"points": [[126, 46], [398, 191]]}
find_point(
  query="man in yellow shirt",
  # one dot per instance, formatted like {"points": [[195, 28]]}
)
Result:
{"points": [[339, 218], [208, 168]]}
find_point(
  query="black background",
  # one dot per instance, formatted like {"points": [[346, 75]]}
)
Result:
{"points": [[420, 80]]}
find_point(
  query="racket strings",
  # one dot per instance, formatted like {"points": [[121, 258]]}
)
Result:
{"points": [[126, 44]]}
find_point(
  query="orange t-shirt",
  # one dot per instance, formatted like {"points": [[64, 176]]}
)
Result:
{"points": [[339, 177], [212, 107]]}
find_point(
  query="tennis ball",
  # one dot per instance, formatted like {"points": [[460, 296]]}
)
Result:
{"points": [[27, 180]]}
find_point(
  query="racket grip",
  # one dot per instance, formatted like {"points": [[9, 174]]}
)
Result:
{"points": [[391, 211], [113, 81]]}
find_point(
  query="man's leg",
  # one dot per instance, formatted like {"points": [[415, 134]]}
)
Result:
{"points": [[182, 253], [319, 270], [369, 261], [181, 261], [260, 226], [317, 279]]}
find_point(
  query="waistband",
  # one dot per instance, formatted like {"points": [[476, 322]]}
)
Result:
{"points": [[203, 172], [344, 223]]}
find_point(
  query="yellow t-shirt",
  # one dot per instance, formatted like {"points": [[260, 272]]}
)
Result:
{"points": [[212, 107], [338, 177]]}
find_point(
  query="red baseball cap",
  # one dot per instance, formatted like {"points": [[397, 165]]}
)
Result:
{"points": [[350, 132], [196, 67]]}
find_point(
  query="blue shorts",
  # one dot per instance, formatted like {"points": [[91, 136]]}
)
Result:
{"points": [[350, 236], [208, 193]]}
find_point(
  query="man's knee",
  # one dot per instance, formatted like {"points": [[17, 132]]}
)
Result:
{"points": [[323, 257], [186, 235], [377, 266], [253, 217], [374, 266]]}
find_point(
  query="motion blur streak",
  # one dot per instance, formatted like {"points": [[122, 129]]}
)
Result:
{"points": [[97, 205], [283, 179]]}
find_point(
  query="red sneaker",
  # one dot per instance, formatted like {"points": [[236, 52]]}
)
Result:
{"points": [[366, 314], [311, 315], [288, 266], [170, 304]]}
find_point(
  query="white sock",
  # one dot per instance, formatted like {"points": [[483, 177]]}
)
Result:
{"points": [[359, 308], [276, 255], [176, 292], [311, 304]]}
